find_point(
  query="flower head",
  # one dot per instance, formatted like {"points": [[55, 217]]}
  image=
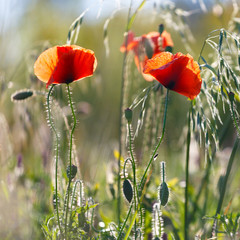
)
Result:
{"points": [[178, 72], [146, 46], [65, 64]]}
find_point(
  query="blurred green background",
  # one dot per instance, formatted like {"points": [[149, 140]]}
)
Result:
{"points": [[26, 29]]}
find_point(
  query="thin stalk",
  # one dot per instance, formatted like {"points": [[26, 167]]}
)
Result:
{"points": [[205, 179], [56, 155], [125, 221], [159, 143], [202, 186], [224, 185], [80, 193], [136, 195], [187, 176], [229, 167], [73, 197], [70, 154], [120, 121], [143, 177]]}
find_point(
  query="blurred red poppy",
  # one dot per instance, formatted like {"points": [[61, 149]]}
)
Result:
{"points": [[146, 46], [178, 72], [65, 64]]}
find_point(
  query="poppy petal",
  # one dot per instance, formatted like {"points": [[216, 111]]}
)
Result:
{"points": [[46, 63], [65, 64], [48, 60], [178, 72], [158, 61], [167, 40], [74, 65]]}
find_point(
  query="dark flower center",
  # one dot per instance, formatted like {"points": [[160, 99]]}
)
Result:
{"points": [[170, 85]]}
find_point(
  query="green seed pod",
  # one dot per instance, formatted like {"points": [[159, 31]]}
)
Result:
{"points": [[22, 95], [161, 29], [163, 193], [169, 49], [73, 171], [148, 48], [127, 190], [128, 115]]}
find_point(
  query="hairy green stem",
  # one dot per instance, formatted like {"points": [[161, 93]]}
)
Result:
{"points": [[136, 195], [70, 155], [144, 175], [187, 176], [56, 156], [125, 221]]}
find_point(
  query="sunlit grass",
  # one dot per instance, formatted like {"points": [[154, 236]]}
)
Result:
{"points": [[119, 197]]}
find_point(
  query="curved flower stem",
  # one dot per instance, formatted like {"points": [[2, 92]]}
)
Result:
{"points": [[136, 195], [80, 193], [160, 141], [70, 154], [187, 175], [56, 156], [143, 177]]}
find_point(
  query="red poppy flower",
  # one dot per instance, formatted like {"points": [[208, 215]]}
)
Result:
{"points": [[178, 72], [65, 64], [154, 40], [132, 43]]}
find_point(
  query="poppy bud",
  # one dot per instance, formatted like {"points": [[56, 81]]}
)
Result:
{"points": [[161, 29], [128, 115], [168, 49], [163, 193], [148, 48], [231, 96], [73, 171], [127, 190], [22, 95]]}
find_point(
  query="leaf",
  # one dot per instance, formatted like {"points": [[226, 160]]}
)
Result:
{"points": [[134, 15]]}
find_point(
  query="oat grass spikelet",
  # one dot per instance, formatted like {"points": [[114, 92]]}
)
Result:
{"points": [[179, 73], [65, 64]]}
